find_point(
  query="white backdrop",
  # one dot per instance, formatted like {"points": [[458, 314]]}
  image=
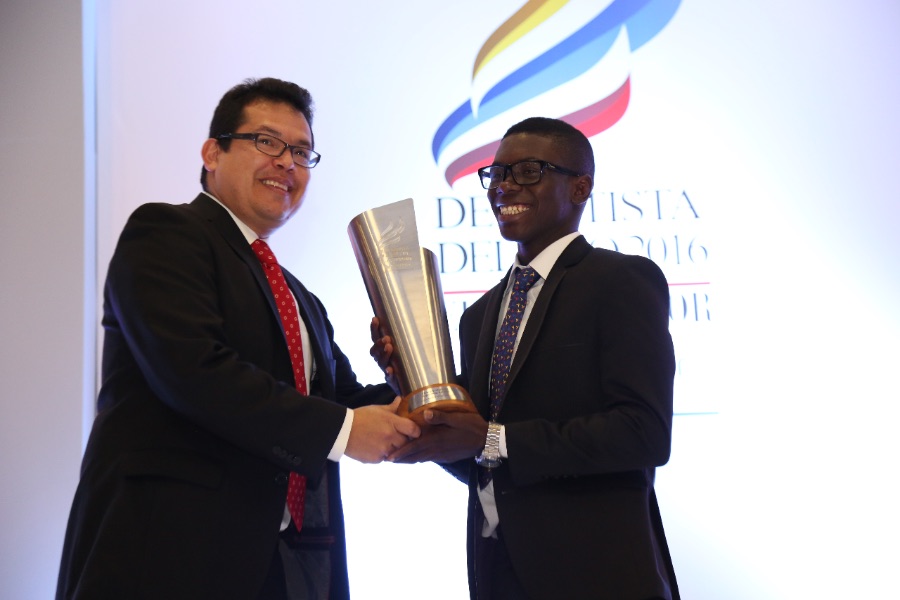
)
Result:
{"points": [[777, 123]]}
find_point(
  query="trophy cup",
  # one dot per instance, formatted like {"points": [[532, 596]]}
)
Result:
{"points": [[405, 291]]}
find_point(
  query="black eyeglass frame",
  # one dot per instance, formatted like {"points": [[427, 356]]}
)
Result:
{"points": [[314, 157], [484, 175]]}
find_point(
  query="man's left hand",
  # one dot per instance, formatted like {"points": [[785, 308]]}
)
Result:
{"points": [[448, 438]]}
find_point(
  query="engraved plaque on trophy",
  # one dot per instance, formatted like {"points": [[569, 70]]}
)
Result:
{"points": [[404, 288]]}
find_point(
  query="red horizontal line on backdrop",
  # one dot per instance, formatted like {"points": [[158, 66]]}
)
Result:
{"points": [[483, 291]]}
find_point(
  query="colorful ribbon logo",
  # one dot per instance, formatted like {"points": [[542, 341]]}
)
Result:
{"points": [[558, 58]]}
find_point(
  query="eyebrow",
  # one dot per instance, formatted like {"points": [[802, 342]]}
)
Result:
{"points": [[499, 164], [279, 135]]}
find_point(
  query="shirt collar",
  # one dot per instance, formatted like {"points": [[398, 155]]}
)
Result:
{"points": [[543, 262], [248, 233]]}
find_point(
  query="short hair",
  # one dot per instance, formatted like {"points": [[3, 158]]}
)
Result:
{"points": [[578, 148], [229, 114]]}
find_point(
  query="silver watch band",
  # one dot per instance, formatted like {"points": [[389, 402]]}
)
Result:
{"points": [[490, 456]]}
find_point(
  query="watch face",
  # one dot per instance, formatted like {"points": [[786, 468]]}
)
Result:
{"points": [[487, 463]]}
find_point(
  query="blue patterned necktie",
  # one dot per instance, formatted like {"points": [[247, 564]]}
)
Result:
{"points": [[506, 342]]}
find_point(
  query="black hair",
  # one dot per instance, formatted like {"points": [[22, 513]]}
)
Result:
{"points": [[576, 144], [229, 114]]}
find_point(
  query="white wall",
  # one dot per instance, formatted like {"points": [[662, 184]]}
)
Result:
{"points": [[42, 267]]}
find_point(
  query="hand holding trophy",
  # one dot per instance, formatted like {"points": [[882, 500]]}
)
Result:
{"points": [[404, 288]]}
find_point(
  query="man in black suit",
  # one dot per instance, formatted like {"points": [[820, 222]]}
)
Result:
{"points": [[200, 421], [561, 503]]}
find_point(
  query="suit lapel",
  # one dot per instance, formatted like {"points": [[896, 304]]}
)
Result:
{"points": [[484, 351], [233, 236], [230, 232], [318, 338], [572, 255], [228, 229]]}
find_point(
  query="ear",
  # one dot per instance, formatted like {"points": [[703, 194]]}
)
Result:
{"points": [[210, 154], [581, 189]]}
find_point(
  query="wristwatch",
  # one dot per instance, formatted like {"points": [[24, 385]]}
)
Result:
{"points": [[490, 456]]}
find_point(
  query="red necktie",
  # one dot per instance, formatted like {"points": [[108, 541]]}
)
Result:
{"points": [[290, 323]]}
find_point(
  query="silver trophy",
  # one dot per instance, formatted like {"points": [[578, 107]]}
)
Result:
{"points": [[405, 291]]}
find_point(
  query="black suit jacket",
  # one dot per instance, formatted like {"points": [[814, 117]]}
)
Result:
{"points": [[185, 474], [588, 415]]}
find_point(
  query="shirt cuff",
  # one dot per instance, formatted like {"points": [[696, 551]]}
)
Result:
{"points": [[340, 444], [503, 452]]}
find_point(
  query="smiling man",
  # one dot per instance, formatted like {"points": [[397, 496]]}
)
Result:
{"points": [[211, 469], [570, 362]]}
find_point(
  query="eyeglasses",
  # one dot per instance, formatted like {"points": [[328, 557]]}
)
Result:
{"points": [[271, 145], [526, 172]]}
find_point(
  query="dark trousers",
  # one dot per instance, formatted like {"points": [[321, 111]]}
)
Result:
{"points": [[494, 575], [300, 568]]}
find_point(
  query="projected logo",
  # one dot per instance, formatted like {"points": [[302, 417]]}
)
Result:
{"points": [[555, 58], [573, 60]]}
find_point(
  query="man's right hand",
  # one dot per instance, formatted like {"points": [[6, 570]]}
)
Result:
{"points": [[377, 432], [451, 437]]}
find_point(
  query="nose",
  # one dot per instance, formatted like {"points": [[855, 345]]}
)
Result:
{"points": [[285, 160], [507, 183], [501, 189]]}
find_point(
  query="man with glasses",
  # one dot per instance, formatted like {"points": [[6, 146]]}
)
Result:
{"points": [[211, 470], [570, 362]]}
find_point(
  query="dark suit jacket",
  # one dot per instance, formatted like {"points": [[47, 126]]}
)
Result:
{"points": [[184, 477], [588, 415]]}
